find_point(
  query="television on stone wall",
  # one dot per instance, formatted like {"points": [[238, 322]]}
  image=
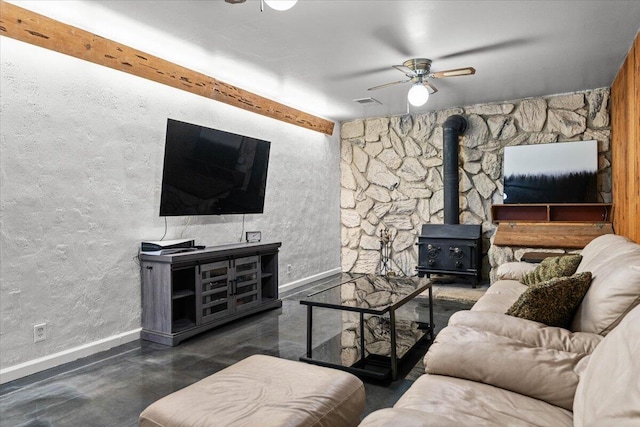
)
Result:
{"points": [[561, 172]]}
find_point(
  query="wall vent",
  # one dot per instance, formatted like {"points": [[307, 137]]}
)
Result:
{"points": [[367, 101]]}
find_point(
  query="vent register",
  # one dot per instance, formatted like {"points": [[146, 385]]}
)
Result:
{"points": [[367, 101]]}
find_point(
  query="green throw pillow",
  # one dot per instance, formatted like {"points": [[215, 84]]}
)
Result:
{"points": [[552, 267], [553, 302]]}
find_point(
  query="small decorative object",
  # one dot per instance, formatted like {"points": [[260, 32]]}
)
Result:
{"points": [[253, 236], [385, 236], [385, 252], [385, 255]]}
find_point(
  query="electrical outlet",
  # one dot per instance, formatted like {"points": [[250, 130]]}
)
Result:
{"points": [[39, 332], [288, 268]]}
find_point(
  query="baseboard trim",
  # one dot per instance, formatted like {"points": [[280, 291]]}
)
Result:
{"points": [[306, 280], [51, 361]]}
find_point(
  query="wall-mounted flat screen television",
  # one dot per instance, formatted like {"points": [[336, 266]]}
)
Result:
{"points": [[212, 172], [564, 172]]}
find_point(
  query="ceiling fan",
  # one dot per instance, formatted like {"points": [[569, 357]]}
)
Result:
{"points": [[419, 70], [274, 4]]}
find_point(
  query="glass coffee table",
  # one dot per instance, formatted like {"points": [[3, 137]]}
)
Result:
{"points": [[370, 325]]}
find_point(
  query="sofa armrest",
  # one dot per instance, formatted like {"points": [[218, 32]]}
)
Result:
{"points": [[531, 333], [500, 296], [542, 373], [514, 270]]}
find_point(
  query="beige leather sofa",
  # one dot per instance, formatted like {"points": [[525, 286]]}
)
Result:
{"points": [[487, 368]]}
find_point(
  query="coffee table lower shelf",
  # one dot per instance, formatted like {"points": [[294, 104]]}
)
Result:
{"points": [[378, 367]]}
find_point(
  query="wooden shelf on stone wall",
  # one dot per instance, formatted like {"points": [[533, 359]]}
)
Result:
{"points": [[561, 225]]}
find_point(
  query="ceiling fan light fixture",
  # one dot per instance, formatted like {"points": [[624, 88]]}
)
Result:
{"points": [[281, 4], [418, 95]]}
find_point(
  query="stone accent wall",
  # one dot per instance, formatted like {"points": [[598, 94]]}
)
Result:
{"points": [[391, 170]]}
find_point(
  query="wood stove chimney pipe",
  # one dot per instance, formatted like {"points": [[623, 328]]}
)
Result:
{"points": [[452, 128]]}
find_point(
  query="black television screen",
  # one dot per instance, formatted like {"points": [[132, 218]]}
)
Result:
{"points": [[212, 172]]}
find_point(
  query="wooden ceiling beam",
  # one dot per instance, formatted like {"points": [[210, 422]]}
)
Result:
{"points": [[30, 27]]}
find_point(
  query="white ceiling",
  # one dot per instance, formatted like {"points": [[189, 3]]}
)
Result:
{"points": [[323, 54]]}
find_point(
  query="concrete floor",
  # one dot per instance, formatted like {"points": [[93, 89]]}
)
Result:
{"points": [[113, 387]]}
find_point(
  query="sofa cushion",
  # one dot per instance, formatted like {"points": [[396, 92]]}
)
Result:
{"points": [[614, 262], [609, 390], [471, 403], [514, 270], [552, 302], [505, 362], [395, 417], [551, 268]]}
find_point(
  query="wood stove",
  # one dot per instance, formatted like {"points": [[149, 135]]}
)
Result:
{"points": [[451, 248]]}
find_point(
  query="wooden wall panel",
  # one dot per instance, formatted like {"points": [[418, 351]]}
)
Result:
{"points": [[625, 112], [30, 27], [619, 147], [635, 144], [625, 148]]}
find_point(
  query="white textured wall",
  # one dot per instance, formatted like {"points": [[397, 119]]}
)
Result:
{"points": [[81, 165]]}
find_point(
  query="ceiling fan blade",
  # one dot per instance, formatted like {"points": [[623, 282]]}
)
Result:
{"points": [[388, 84], [487, 48], [358, 73], [432, 88], [405, 70], [398, 42], [466, 71]]}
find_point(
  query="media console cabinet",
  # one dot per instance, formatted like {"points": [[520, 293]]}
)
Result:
{"points": [[186, 293]]}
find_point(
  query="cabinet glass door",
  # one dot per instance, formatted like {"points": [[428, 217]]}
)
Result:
{"points": [[247, 283], [215, 296]]}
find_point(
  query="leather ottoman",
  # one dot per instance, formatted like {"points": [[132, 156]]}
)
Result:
{"points": [[263, 391]]}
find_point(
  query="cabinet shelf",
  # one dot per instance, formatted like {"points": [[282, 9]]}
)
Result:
{"points": [[561, 225], [182, 294], [182, 324], [561, 212]]}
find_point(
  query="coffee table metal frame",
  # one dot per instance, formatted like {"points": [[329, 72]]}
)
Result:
{"points": [[391, 309]]}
